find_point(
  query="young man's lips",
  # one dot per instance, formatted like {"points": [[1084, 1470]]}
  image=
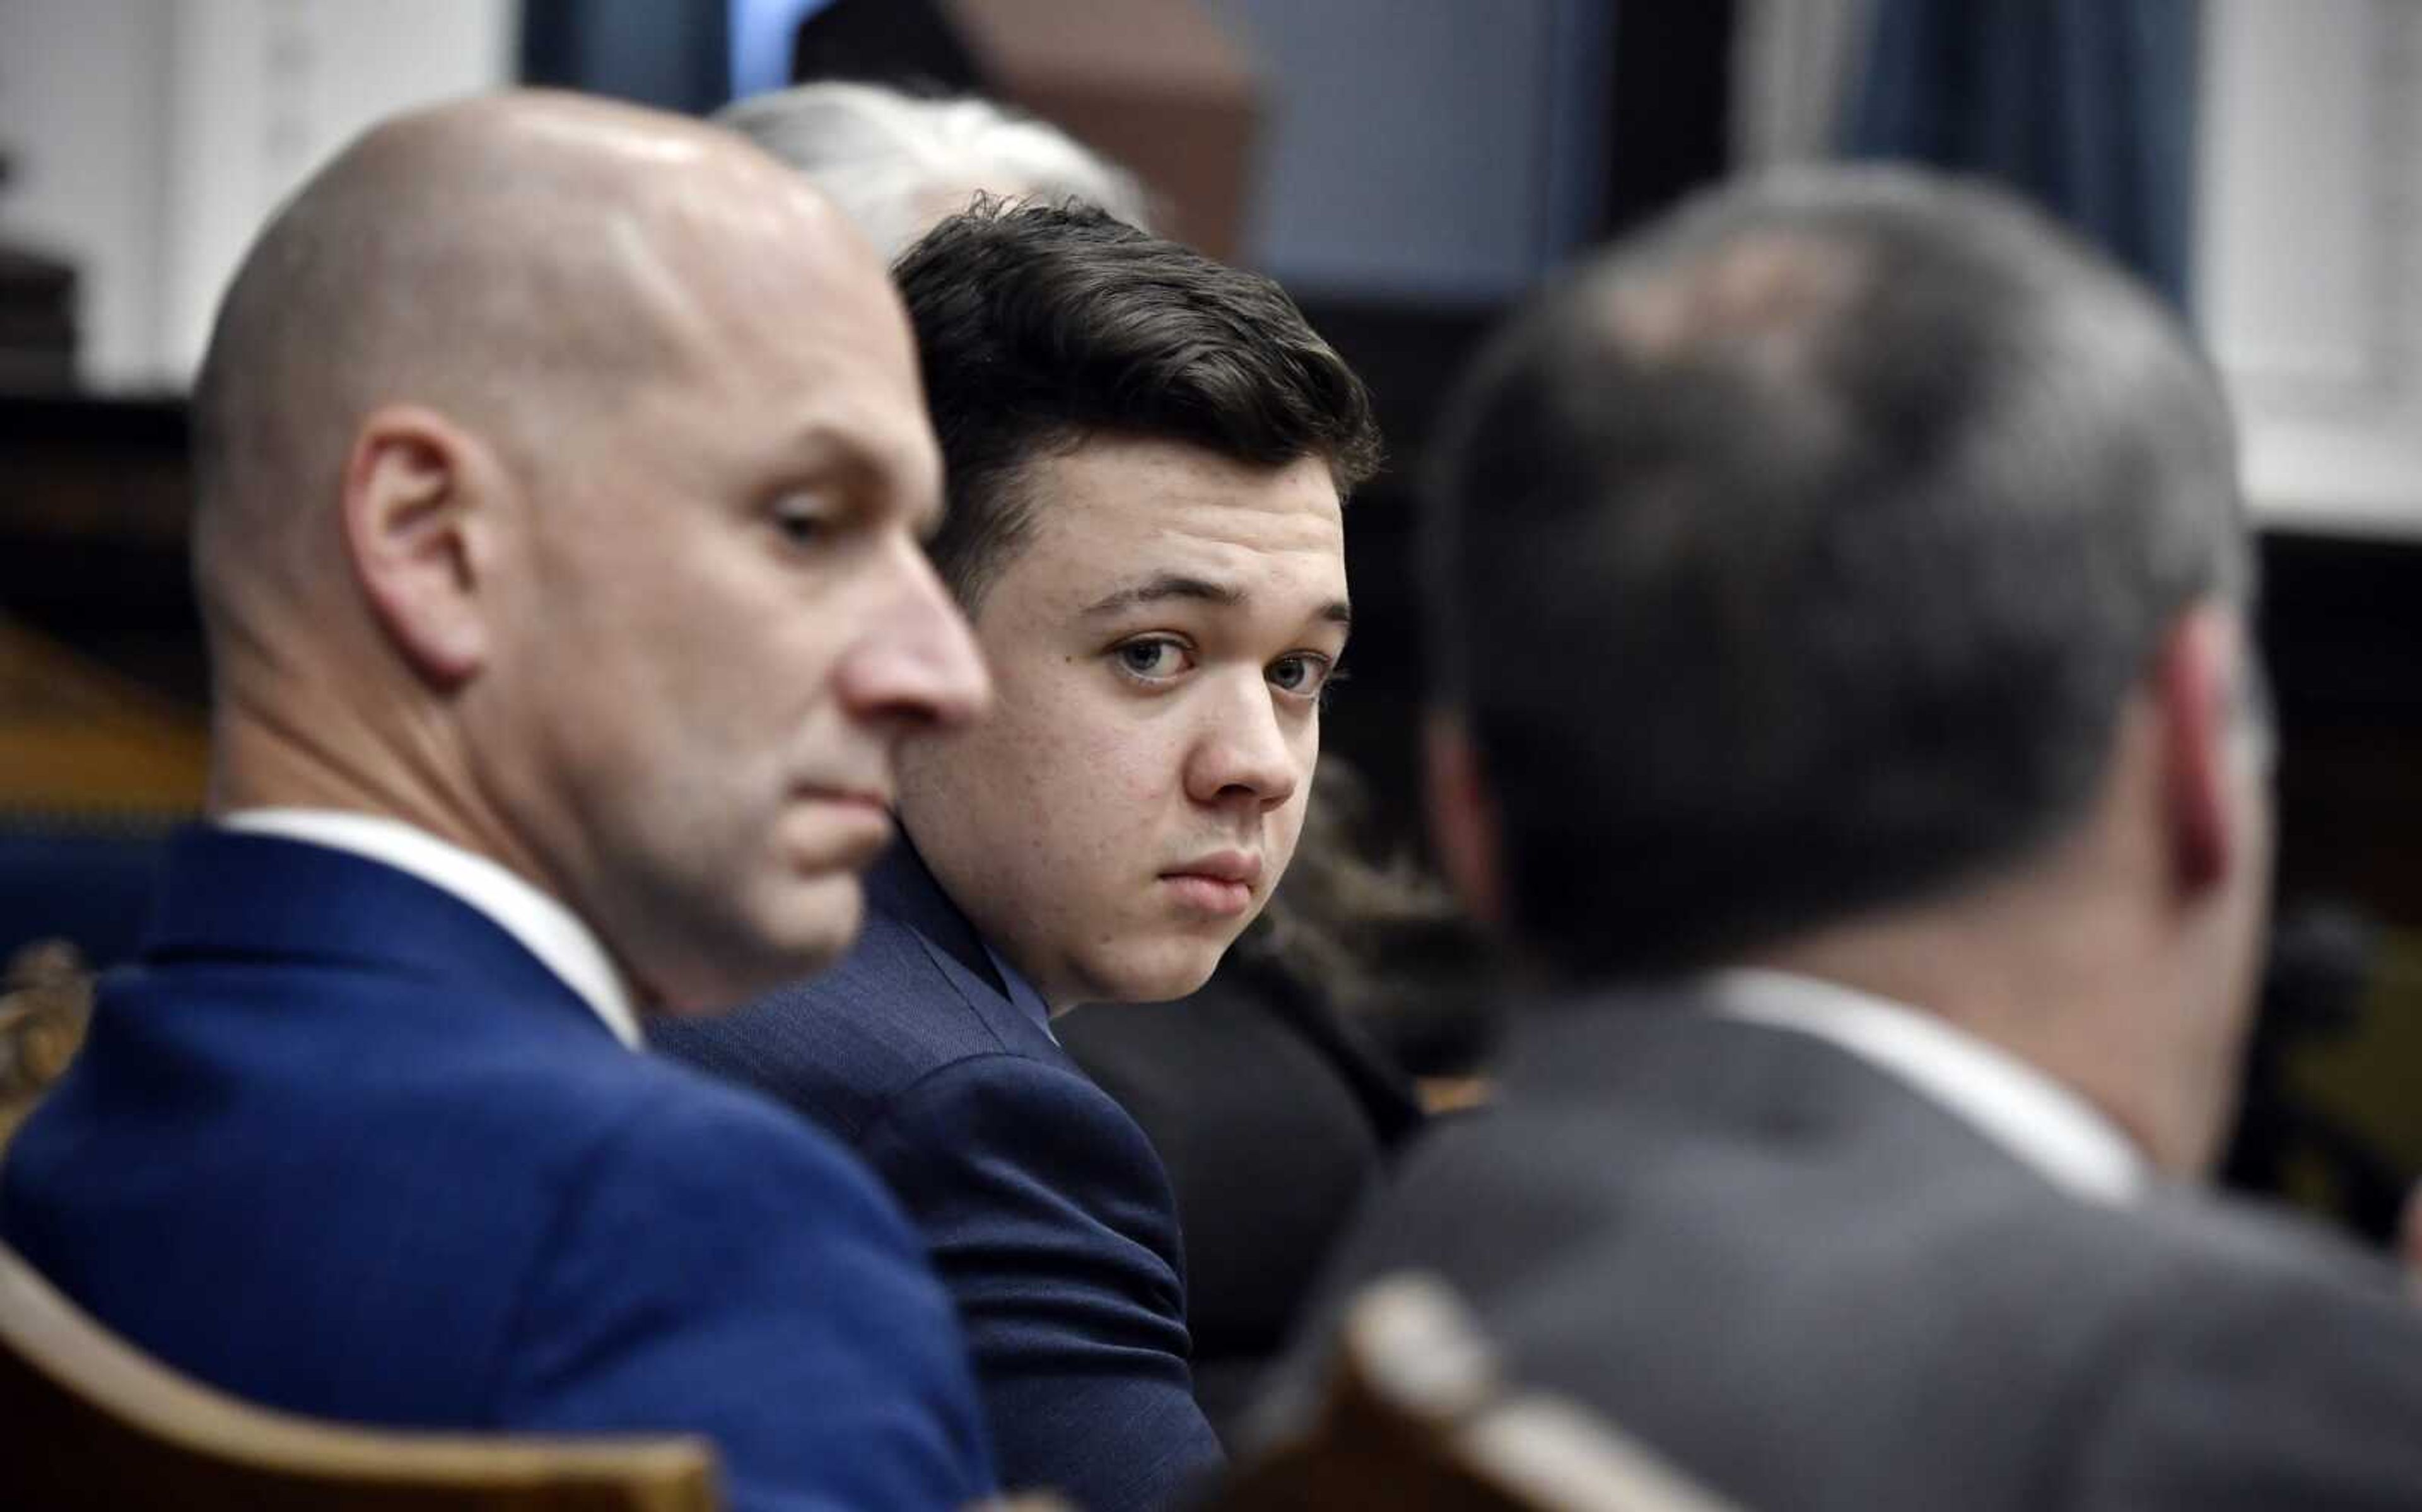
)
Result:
{"points": [[1209, 895], [1222, 867], [1220, 885]]}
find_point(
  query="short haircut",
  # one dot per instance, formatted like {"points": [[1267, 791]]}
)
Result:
{"points": [[1042, 326], [884, 157], [1796, 558]]}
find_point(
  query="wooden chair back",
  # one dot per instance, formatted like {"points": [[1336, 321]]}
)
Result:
{"points": [[89, 1422], [45, 1001], [1416, 1418]]}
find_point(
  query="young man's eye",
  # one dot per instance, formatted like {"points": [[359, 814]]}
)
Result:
{"points": [[1152, 660], [1305, 676]]}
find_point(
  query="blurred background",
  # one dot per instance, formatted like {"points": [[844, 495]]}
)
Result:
{"points": [[1407, 168]]}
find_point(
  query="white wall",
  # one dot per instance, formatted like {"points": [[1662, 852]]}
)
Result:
{"points": [[83, 86], [2309, 253], [152, 137]]}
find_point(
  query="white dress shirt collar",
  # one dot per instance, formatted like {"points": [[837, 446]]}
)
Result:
{"points": [[2009, 1101], [544, 927]]}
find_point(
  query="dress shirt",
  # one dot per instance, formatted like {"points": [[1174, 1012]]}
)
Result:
{"points": [[2009, 1101], [544, 927]]}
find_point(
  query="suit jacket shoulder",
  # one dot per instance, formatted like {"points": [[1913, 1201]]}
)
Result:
{"points": [[1813, 1287], [818, 1354], [1273, 1121], [841, 1046], [1043, 1206], [400, 1175], [2270, 1365]]}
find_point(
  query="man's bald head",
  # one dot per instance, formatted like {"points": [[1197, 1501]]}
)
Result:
{"points": [[510, 262], [561, 466]]}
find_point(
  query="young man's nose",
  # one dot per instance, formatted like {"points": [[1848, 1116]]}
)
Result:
{"points": [[1244, 753]]}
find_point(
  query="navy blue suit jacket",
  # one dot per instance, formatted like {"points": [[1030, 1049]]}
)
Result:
{"points": [[340, 1146], [1043, 1202]]}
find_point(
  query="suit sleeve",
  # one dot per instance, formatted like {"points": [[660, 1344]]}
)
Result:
{"points": [[2255, 1390], [1054, 1228], [728, 1273]]}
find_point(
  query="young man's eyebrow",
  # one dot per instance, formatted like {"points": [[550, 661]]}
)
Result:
{"points": [[1166, 585]]}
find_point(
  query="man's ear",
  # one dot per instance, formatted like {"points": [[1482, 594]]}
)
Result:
{"points": [[417, 494], [1463, 817], [2196, 678]]}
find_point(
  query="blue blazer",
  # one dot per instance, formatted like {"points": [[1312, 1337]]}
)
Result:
{"points": [[1043, 1204], [339, 1145]]}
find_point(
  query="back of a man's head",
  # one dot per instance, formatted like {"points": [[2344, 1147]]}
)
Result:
{"points": [[1795, 560], [1041, 326]]}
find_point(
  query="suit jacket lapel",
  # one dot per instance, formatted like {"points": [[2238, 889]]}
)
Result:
{"points": [[902, 888]]}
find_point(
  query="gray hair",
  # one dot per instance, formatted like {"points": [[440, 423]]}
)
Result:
{"points": [[895, 164]]}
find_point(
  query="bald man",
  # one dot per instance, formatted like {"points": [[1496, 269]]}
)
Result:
{"points": [[561, 468]]}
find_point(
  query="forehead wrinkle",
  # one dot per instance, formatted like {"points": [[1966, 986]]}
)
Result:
{"points": [[1166, 587], [1103, 528], [1162, 587]]}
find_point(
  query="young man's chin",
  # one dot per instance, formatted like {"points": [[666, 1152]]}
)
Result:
{"points": [[1162, 975]]}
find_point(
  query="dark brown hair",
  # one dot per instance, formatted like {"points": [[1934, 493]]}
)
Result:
{"points": [[1039, 326]]}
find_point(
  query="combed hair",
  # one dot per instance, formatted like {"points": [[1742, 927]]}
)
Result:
{"points": [[1039, 326], [883, 157], [1797, 558]]}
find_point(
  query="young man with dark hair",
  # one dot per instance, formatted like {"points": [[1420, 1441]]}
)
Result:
{"points": [[1147, 455], [1848, 705]]}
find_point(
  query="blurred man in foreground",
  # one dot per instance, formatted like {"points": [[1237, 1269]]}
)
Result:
{"points": [[1147, 456], [561, 467], [1848, 703]]}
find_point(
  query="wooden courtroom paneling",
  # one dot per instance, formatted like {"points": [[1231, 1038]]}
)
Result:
{"points": [[1155, 84], [101, 661], [76, 737]]}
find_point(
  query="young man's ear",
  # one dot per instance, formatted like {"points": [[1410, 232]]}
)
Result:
{"points": [[418, 501], [2208, 734], [1462, 816]]}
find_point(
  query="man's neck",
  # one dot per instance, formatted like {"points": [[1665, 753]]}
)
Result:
{"points": [[268, 762], [560, 940], [2068, 987], [2034, 1116]]}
